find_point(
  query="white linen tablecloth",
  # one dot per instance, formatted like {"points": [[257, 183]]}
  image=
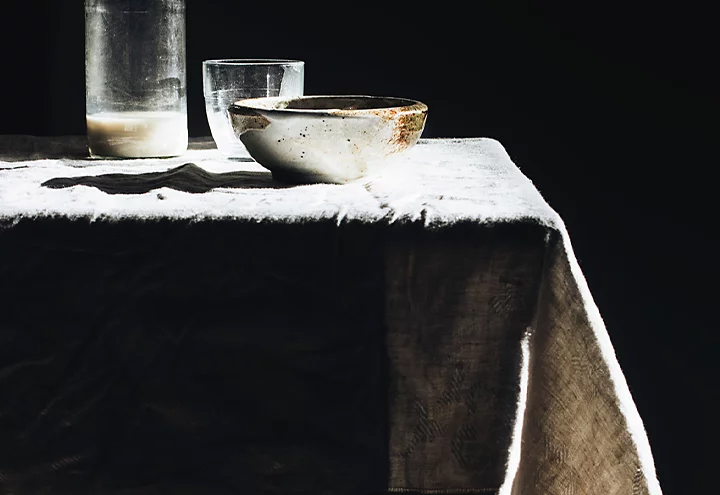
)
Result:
{"points": [[190, 325]]}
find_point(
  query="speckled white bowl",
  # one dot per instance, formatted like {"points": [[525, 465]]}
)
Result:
{"points": [[334, 139]]}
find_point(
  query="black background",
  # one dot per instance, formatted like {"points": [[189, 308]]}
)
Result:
{"points": [[610, 108]]}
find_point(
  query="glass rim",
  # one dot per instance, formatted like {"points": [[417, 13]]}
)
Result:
{"points": [[252, 61]]}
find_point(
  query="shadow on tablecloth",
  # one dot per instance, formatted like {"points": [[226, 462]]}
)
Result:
{"points": [[188, 178]]}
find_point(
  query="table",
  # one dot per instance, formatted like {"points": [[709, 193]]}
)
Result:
{"points": [[188, 325]]}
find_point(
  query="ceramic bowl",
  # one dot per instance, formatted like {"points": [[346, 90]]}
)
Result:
{"points": [[334, 139]]}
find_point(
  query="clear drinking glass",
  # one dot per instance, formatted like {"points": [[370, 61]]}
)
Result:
{"points": [[226, 81], [135, 78]]}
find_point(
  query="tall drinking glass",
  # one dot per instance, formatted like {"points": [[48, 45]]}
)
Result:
{"points": [[228, 80], [135, 78]]}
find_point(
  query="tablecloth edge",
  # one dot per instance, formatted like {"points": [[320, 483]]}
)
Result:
{"points": [[627, 405]]}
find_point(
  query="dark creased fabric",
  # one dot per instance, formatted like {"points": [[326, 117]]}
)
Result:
{"points": [[168, 357], [260, 358]]}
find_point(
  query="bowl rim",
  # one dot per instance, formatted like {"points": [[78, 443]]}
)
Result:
{"points": [[408, 105]]}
